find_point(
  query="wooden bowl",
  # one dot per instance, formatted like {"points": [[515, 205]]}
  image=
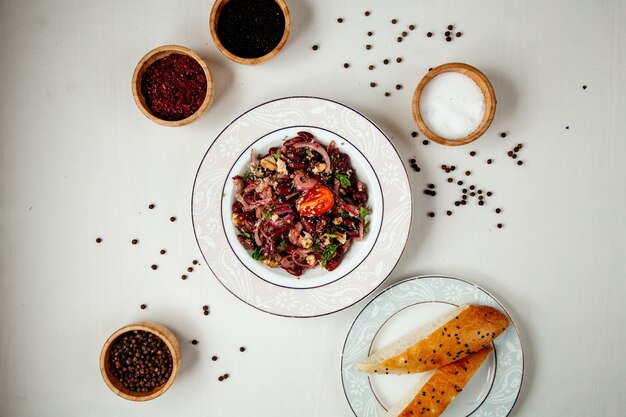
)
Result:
{"points": [[215, 14], [484, 85], [170, 341], [162, 52]]}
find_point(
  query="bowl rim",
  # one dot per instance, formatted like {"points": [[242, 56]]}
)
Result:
{"points": [[156, 54], [483, 83], [160, 331], [214, 17]]}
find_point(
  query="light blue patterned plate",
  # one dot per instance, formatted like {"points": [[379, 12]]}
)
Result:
{"points": [[404, 306]]}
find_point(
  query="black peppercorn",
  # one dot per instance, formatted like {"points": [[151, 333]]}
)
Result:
{"points": [[172, 219], [242, 349], [134, 241], [425, 142], [371, 67], [143, 306], [394, 21], [429, 34], [411, 27], [340, 20], [346, 65], [154, 267], [372, 85], [98, 240], [414, 134], [368, 47], [431, 214], [387, 94], [315, 47], [385, 61], [151, 206], [398, 60], [370, 33], [450, 27]]}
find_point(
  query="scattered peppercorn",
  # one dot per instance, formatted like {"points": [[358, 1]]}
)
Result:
{"points": [[404, 34], [489, 193], [368, 47], [412, 161], [346, 65], [519, 162], [172, 219], [143, 306], [449, 213], [367, 13], [431, 186], [315, 47], [394, 21], [450, 27], [371, 67], [194, 342], [206, 313], [499, 225], [450, 179], [399, 39], [154, 267], [370, 33], [472, 153], [411, 27], [489, 161], [398, 60], [448, 39], [151, 206], [98, 240], [183, 277], [162, 251], [385, 61], [503, 135], [431, 214], [134, 241], [498, 210], [429, 34], [447, 33], [468, 173], [242, 349], [220, 378], [190, 269], [425, 142], [214, 358], [584, 87], [414, 134], [372, 85], [340, 20], [387, 94], [226, 376], [458, 34], [195, 262], [398, 86]]}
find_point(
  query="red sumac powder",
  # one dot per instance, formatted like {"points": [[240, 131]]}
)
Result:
{"points": [[174, 87]]}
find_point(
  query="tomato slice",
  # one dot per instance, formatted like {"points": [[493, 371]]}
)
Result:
{"points": [[315, 202]]}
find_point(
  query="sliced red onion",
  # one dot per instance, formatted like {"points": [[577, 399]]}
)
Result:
{"points": [[353, 210], [304, 182], [317, 148], [257, 239], [360, 231], [238, 184], [243, 202], [297, 253], [294, 234]]}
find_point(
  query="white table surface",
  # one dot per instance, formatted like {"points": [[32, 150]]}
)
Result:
{"points": [[78, 160]]}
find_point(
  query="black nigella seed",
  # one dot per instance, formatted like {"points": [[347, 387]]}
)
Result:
{"points": [[151, 206], [98, 240], [315, 47], [134, 241], [143, 306], [429, 34], [154, 267], [431, 214]]}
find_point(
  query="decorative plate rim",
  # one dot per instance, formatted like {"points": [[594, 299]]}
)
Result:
{"points": [[419, 277], [402, 242]]}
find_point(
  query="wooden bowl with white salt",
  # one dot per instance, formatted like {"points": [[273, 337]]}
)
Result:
{"points": [[454, 104]]}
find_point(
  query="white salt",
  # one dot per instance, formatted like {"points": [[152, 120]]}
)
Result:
{"points": [[452, 105]]}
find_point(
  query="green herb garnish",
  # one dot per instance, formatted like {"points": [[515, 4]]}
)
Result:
{"points": [[329, 235], [276, 155], [256, 255], [344, 214], [266, 215], [282, 245], [328, 254], [363, 212], [309, 153], [246, 234], [343, 179]]}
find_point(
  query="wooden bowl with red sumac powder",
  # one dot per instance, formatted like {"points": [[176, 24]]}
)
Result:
{"points": [[172, 85]]}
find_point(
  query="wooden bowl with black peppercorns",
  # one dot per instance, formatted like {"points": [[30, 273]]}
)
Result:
{"points": [[139, 362], [250, 32], [172, 85]]}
